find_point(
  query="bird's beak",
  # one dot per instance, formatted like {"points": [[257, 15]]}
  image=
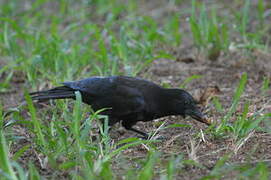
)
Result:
{"points": [[196, 114]]}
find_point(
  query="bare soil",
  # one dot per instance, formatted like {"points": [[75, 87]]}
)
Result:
{"points": [[224, 73]]}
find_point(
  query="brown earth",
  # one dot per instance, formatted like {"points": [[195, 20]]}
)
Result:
{"points": [[224, 74]]}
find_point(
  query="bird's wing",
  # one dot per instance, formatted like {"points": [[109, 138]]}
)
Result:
{"points": [[121, 97], [95, 86], [127, 101]]}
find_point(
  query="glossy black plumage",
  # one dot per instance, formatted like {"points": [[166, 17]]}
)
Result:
{"points": [[129, 99]]}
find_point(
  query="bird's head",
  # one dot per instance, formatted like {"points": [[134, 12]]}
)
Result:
{"points": [[187, 105]]}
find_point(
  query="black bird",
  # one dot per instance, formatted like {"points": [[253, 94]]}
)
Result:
{"points": [[128, 99]]}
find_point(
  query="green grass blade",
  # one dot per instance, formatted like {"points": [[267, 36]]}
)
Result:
{"points": [[36, 122], [77, 115], [237, 95], [6, 169]]}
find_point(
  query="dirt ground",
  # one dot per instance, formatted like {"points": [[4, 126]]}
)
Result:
{"points": [[224, 74]]}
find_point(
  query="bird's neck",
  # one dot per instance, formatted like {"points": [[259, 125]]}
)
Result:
{"points": [[169, 103]]}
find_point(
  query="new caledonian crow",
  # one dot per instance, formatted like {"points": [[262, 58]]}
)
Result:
{"points": [[127, 99]]}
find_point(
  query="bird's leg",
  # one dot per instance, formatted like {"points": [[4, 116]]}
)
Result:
{"points": [[128, 126], [145, 135]]}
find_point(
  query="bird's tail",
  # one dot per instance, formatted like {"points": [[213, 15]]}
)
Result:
{"points": [[61, 92]]}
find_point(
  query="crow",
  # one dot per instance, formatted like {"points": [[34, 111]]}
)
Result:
{"points": [[127, 99]]}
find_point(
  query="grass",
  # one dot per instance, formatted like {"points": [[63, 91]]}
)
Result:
{"points": [[46, 42], [207, 32]]}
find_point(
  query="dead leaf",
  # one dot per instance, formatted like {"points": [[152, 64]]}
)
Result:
{"points": [[208, 94]]}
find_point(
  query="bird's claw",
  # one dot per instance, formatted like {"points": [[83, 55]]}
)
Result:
{"points": [[151, 137]]}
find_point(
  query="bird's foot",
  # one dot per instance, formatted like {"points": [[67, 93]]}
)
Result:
{"points": [[151, 137], [159, 137], [144, 137]]}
